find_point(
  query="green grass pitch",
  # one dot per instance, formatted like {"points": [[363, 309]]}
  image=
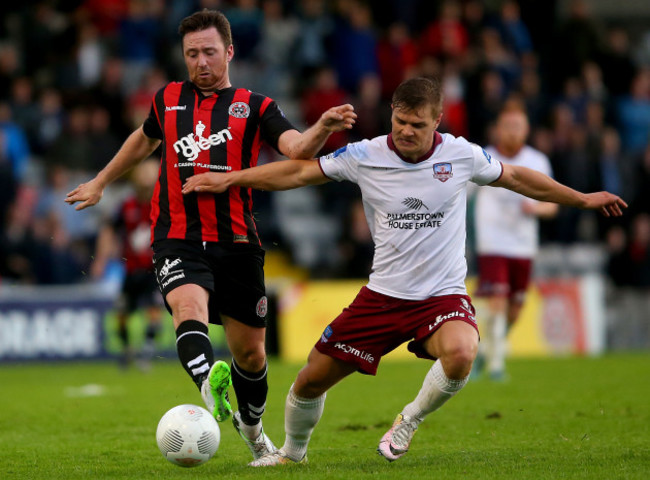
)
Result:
{"points": [[586, 418]]}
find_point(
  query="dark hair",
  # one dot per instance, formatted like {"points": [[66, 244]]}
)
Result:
{"points": [[417, 92], [205, 19]]}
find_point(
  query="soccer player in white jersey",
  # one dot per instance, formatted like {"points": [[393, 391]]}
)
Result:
{"points": [[506, 225], [413, 182]]}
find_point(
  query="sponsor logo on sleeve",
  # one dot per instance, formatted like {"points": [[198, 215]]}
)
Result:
{"points": [[488, 157]]}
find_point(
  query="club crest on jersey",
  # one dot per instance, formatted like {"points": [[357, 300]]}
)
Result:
{"points": [[239, 110], [262, 307], [442, 171]]}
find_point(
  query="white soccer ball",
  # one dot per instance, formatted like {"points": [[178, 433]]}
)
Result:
{"points": [[188, 435]]}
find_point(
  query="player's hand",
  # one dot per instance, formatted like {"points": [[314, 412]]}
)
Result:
{"points": [[88, 194], [339, 118], [529, 208], [209, 182], [610, 205]]}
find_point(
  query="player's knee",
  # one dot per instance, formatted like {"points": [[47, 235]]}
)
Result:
{"points": [[458, 358], [308, 386], [251, 358], [189, 309]]}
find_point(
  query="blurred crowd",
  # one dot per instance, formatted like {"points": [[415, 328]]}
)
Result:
{"points": [[77, 76]]}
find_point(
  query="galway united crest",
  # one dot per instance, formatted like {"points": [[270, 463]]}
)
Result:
{"points": [[442, 171]]}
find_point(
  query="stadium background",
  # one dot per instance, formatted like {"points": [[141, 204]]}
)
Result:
{"points": [[77, 76]]}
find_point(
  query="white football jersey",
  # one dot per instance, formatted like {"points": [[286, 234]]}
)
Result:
{"points": [[416, 211], [502, 228]]}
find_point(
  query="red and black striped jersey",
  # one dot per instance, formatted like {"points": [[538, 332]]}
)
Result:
{"points": [[217, 133], [133, 226]]}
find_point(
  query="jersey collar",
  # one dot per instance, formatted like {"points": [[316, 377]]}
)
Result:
{"points": [[437, 140], [216, 92]]}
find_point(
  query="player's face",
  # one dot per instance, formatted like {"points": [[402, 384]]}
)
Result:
{"points": [[413, 130], [512, 131], [206, 58]]}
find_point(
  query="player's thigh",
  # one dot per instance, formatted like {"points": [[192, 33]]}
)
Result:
{"points": [[239, 291], [454, 340], [184, 279], [188, 302], [320, 374]]}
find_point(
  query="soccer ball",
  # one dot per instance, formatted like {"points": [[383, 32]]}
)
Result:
{"points": [[188, 435]]}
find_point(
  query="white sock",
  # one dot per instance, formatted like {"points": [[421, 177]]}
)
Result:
{"points": [[436, 390], [496, 357], [251, 431], [300, 417]]}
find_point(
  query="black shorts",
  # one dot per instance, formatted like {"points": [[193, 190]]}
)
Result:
{"points": [[139, 290], [233, 273]]}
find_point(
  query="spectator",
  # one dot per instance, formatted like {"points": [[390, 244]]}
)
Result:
{"points": [[354, 46], [110, 94], [73, 148], [24, 109], [278, 34], [575, 41], [397, 56], [616, 62], [373, 115], [514, 31], [324, 94], [633, 113], [105, 143], [356, 245], [138, 37], [309, 51], [445, 37], [14, 147], [51, 120]]}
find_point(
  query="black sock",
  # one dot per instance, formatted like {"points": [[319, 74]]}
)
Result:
{"points": [[194, 349], [251, 390], [151, 332], [123, 334]]}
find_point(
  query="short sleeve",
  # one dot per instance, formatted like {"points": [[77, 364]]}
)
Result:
{"points": [[487, 169], [151, 127], [343, 163], [273, 124]]}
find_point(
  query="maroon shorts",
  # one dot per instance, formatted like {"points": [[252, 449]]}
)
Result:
{"points": [[375, 324], [502, 276]]}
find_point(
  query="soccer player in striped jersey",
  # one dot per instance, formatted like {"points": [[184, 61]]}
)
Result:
{"points": [[413, 184], [207, 254]]}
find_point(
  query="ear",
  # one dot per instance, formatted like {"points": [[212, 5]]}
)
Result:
{"points": [[230, 53], [438, 120]]}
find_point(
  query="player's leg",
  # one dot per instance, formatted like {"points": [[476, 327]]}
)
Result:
{"points": [[153, 316], [126, 355], [189, 308], [304, 406], [187, 284], [455, 345], [126, 304], [493, 289], [249, 380], [153, 310], [494, 335]]}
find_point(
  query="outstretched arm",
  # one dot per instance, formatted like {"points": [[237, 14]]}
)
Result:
{"points": [[135, 149], [294, 144], [281, 175], [534, 184]]}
